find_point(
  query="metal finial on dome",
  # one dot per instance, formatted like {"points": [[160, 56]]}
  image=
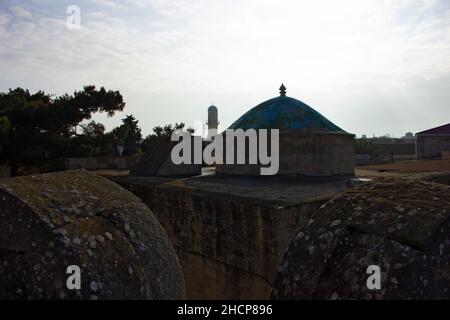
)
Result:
{"points": [[282, 90]]}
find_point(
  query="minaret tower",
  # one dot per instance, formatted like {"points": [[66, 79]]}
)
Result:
{"points": [[213, 122]]}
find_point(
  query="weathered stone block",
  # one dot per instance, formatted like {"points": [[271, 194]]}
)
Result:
{"points": [[52, 221], [401, 226]]}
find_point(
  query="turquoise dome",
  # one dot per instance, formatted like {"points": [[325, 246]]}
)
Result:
{"points": [[284, 113]]}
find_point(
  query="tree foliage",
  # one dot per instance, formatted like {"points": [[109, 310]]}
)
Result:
{"points": [[128, 135], [165, 131], [367, 146], [36, 128]]}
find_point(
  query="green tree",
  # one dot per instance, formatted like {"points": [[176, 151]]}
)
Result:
{"points": [[89, 142], [129, 135], [367, 146], [165, 131], [41, 126], [4, 130]]}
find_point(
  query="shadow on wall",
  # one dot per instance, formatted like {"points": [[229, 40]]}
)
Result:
{"points": [[4, 172]]}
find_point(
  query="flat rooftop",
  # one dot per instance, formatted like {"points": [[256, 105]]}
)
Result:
{"points": [[272, 190], [282, 190]]}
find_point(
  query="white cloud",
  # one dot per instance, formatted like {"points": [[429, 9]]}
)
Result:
{"points": [[4, 19], [180, 55], [108, 3], [20, 12]]}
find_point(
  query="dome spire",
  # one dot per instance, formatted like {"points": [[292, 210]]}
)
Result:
{"points": [[282, 90]]}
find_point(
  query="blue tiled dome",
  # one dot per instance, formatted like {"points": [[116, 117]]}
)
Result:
{"points": [[284, 113]]}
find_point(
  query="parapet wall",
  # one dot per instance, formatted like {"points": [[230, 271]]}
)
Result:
{"points": [[101, 163]]}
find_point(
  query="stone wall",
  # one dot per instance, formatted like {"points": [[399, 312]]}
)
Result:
{"points": [[228, 246], [308, 154], [431, 146], [396, 148], [101, 163]]}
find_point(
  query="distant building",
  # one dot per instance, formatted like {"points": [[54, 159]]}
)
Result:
{"points": [[432, 142], [408, 137]]}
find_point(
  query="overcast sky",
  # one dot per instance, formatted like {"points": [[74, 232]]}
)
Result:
{"points": [[371, 67]]}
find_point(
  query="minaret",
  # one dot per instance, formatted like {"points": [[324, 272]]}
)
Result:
{"points": [[213, 122], [283, 90]]}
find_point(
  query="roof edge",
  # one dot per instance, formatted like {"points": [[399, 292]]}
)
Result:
{"points": [[437, 130]]}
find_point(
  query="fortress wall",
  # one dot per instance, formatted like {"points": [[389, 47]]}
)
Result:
{"points": [[228, 247]]}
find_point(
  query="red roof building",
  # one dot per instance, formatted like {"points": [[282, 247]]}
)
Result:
{"points": [[433, 143], [441, 130]]}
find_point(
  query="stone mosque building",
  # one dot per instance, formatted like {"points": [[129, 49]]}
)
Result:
{"points": [[310, 144]]}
